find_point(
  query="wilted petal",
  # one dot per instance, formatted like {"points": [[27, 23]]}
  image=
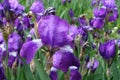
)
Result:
{"points": [[29, 49]]}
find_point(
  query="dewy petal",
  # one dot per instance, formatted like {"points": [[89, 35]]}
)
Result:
{"points": [[53, 31], [53, 74], [74, 73], [63, 60], [29, 49]]}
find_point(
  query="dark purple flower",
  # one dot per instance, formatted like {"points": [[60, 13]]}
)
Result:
{"points": [[29, 49], [74, 73], [71, 13], [108, 49], [113, 16], [53, 31], [82, 21], [83, 33], [97, 23], [2, 73], [63, 59], [93, 65], [53, 74]]}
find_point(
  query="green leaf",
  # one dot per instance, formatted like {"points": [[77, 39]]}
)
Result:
{"points": [[27, 72], [40, 69]]}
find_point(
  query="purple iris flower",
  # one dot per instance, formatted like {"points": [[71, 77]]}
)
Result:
{"points": [[63, 59], [93, 65], [110, 4], [113, 15], [82, 21], [83, 33], [12, 9], [14, 45], [108, 49], [74, 73], [29, 49], [53, 31], [97, 23], [100, 12], [37, 8]]}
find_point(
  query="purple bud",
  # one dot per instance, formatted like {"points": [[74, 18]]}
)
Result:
{"points": [[108, 49], [71, 13]]}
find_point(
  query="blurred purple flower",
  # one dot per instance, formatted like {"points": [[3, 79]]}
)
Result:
{"points": [[97, 23], [12, 9], [71, 13], [29, 49], [37, 8], [82, 21], [2, 73], [63, 59], [93, 65], [100, 12], [114, 15], [14, 45], [108, 49], [53, 31], [74, 73], [53, 74], [2, 47], [110, 4]]}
